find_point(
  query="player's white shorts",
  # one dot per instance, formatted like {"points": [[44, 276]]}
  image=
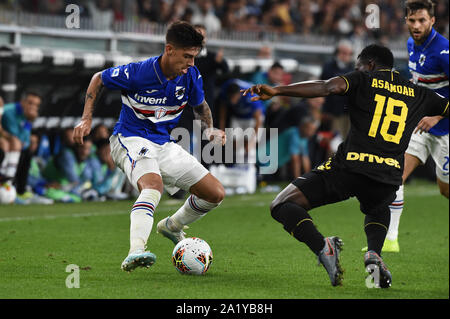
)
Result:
{"points": [[137, 156], [426, 144]]}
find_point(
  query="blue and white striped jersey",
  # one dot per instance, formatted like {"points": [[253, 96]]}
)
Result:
{"points": [[429, 66], [152, 105]]}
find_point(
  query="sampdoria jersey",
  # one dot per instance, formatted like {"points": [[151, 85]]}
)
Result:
{"points": [[429, 66], [151, 104], [384, 110]]}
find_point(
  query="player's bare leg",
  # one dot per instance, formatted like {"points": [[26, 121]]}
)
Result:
{"points": [[391, 242], [209, 189], [290, 209], [443, 187], [206, 194], [141, 222]]}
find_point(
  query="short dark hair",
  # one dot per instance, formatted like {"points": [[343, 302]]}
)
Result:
{"points": [[276, 65], [381, 55], [27, 93], [232, 89], [182, 34], [413, 5]]}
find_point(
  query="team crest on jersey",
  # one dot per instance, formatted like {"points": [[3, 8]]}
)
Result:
{"points": [[422, 59], [179, 92], [160, 112], [143, 151]]}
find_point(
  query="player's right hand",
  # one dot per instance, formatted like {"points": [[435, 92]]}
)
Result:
{"points": [[81, 130], [263, 92]]}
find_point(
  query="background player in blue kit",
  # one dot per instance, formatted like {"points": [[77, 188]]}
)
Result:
{"points": [[429, 67], [242, 113], [154, 94]]}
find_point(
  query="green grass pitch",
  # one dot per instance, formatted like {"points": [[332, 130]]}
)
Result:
{"points": [[253, 256]]}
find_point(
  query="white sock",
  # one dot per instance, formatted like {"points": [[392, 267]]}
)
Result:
{"points": [[11, 163], [141, 218], [4, 164], [193, 209], [396, 211]]}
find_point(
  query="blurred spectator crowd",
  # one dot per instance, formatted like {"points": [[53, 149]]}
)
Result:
{"points": [[47, 166], [44, 167], [326, 17]]}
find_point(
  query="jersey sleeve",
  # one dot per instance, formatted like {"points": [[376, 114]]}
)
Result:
{"points": [[120, 77], [353, 80], [196, 93], [444, 61], [255, 105], [436, 104]]}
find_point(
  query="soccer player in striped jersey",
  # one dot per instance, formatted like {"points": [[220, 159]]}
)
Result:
{"points": [[429, 66], [154, 94]]}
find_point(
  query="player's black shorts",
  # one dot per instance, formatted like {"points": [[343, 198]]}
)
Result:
{"points": [[335, 185]]}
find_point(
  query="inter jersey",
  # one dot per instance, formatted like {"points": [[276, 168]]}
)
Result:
{"points": [[429, 67], [384, 110], [151, 104]]}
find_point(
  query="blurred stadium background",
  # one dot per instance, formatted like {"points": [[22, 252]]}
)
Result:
{"points": [[45, 48]]}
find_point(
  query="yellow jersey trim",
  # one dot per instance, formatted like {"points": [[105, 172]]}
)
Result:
{"points": [[346, 81], [445, 110]]}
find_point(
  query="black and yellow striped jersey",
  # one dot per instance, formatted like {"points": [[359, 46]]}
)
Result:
{"points": [[384, 110]]}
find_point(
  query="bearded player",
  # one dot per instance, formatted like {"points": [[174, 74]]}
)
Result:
{"points": [[429, 67]]}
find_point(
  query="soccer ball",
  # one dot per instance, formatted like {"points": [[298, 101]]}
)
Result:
{"points": [[7, 193], [192, 256]]}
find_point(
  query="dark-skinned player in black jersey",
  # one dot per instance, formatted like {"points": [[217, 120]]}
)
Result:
{"points": [[384, 110]]}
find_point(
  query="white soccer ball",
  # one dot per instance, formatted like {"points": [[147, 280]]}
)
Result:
{"points": [[7, 193], [192, 256]]}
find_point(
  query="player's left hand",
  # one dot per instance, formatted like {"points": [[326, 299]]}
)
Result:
{"points": [[216, 136], [426, 123]]}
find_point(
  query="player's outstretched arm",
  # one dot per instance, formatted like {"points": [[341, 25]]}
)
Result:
{"points": [[426, 123], [307, 89], [202, 112], [93, 92]]}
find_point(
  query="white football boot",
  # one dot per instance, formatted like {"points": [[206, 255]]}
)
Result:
{"points": [[164, 230], [138, 258]]}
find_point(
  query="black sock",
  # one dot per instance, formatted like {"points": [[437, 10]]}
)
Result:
{"points": [[376, 227], [298, 223]]}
